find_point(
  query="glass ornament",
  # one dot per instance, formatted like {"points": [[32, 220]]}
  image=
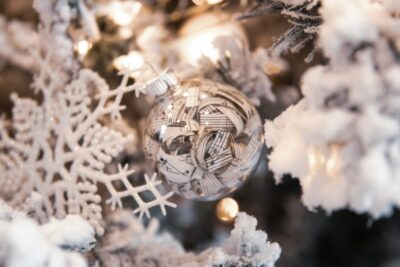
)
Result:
{"points": [[205, 138]]}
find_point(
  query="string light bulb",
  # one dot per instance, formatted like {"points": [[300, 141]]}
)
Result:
{"points": [[133, 60], [82, 47], [209, 2], [199, 2], [227, 209], [213, 2], [272, 68], [123, 13]]}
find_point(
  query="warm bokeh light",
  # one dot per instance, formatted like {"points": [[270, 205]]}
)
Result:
{"points": [[316, 159], [199, 2], [199, 33], [133, 60], [327, 161], [210, 2], [82, 47], [213, 2], [272, 69], [227, 209], [332, 164], [123, 13]]}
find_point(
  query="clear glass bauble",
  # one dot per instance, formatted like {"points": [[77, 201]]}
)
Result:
{"points": [[206, 139]]}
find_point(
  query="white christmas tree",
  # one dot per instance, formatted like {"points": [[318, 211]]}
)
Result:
{"points": [[342, 139]]}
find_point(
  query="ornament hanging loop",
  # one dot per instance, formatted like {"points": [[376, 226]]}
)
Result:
{"points": [[161, 83]]}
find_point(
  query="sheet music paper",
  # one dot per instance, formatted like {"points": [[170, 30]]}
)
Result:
{"points": [[206, 138]]}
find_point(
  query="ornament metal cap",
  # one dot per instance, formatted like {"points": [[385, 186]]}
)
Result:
{"points": [[160, 84]]}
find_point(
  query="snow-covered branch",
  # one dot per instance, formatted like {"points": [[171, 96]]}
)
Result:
{"points": [[301, 14], [24, 243], [342, 140], [128, 242]]}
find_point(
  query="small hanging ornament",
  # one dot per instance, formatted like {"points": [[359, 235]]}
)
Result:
{"points": [[205, 137]]}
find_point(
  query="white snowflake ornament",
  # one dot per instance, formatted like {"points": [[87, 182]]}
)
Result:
{"points": [[59, 149], [54, 152]]}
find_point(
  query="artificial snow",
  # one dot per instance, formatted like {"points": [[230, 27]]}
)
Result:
{"points": [[342, 140]]}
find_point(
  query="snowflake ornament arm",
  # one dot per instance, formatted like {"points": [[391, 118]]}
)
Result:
{"points": [[131, 191], [160, 200], [55, 151], [78, 151], [146, 77]]}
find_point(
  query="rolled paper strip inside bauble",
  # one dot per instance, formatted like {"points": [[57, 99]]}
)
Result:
{"points": [[205, 138]]}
